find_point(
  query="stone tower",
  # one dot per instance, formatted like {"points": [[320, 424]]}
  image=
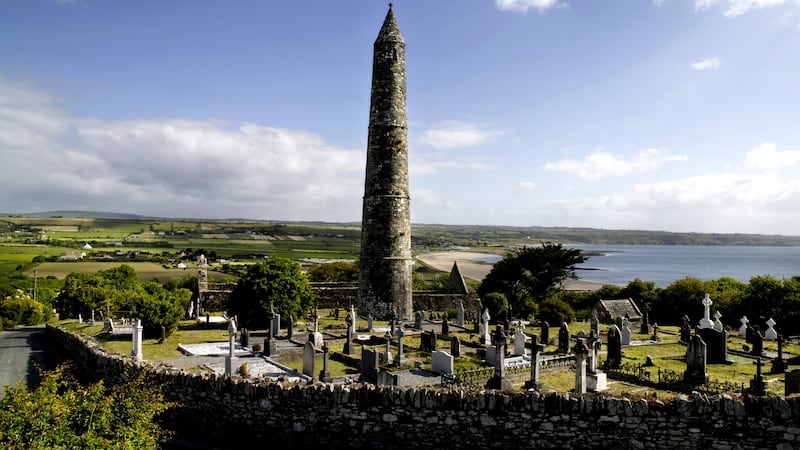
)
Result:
{"points": [[384, 283]]}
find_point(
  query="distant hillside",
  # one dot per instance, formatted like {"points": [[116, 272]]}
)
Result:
{"points": [[442, 236]]}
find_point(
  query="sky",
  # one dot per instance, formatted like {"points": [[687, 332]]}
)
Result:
{"points": [[673, 115]]}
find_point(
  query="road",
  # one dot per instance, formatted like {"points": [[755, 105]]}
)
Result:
{"points": [[21, 354]]}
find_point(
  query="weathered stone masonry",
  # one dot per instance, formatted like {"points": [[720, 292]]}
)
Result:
{"points": [[366, 416]]}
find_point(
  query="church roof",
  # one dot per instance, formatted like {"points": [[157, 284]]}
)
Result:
{"points": [[390, 32], [621, 308], [456, 283]]}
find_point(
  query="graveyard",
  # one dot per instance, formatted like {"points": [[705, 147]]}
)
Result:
{"points": [[338, 346]]}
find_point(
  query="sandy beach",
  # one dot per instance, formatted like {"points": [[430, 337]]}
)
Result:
{"points": [[471, 267]]}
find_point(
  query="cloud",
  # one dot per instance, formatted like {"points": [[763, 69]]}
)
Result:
{"points": [[455, 134], [734, 8], [525, 5], [173, 168], [427, 164], [601, 165], [767, 156], [524, 186], [706, 64]]}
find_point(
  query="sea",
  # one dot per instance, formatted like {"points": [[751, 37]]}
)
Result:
{"points": [[664, 264]]}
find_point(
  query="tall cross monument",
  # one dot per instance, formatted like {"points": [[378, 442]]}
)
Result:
{"points": [[384, 283]]}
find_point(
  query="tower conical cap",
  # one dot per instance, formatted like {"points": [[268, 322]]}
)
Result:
{"points": [[390, 32]]}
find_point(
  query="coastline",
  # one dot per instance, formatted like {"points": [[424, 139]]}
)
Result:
{"points": [[471, 268]]}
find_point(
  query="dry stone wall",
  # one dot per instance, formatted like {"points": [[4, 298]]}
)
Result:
{"points": [[228, 412]]}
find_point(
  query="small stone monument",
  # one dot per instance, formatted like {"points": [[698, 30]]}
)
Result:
{"points": [[270, 346], [309, 360], [519, 340], [791, 382], [315, 336], [536, 364], [779, 364], [80, 318], [581, 354], [645, 326], [244, 338], [427, 341], [718, 322], [370, 323], [386, 356], [276, 325], [419, 316], [758, 385], [400, 358], [369, 364], [290, 327], [595, 378], [136, 351], [756, 341], [706, 321], [455, 347], [625, 331], [594, 324], [563, 338], [445, 326], [716, 345], [771, 334], [485, 338], [743, 329], [499, 380], [614, 356], [441, 362], [686, 330], [348, 344], [696, 362], [460, 317], [230, 360], [325, 374], [545, 333]]}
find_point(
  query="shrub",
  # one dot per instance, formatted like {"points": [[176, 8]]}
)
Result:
{"points": [[555, 311]]}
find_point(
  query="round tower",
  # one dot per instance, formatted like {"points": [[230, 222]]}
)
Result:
{"points": [[384, 283]]}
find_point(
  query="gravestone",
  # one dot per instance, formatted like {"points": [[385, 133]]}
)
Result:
{"points": [[315, 337], [758, 385], [778, 364], [325, 374], [441, 362], [290, 328], [400, 358], [460, 317], [348, 344], [499, 380], [718, 321], [757, 342], [654, 337], [594, 324], [614, 355], [563, 338], [792, 382], [771, 334], [244, 338], [545, 334], [485, 338], [270, 346], [309, 360], [625, 331], [645, 326], [455, 347], [136, 351], [80, 318], [686, 330], [336, 313], [476, 328], [418, 319], [445, 326], [230, 360], [536, 364], [519, 340], [386, 356], [581, 354], [276, 325], [369, 364], [706, 321], [696, 373], [370, 323], [427, 341], [743, 328], [596, 380], [716, 345]]}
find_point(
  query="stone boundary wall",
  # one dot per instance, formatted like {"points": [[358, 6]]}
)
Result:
{"points": [[330, 295], [229, 412]]}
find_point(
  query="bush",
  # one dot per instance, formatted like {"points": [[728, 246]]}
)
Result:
{"points": [[555, 311], [20, 308], [496, 303]]}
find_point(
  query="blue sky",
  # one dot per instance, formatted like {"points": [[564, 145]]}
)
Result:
{"points": [[677, 115]]}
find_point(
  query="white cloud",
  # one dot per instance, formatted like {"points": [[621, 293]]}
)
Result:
{"points": [[454, 134], [602, 164], [767, 156], [524, 186], [525, 5], [706, 64], [658, 2], [174, 168], [734, 8], [427, 164]]}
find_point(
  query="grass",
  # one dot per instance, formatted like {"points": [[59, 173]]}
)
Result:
{"points": [[144, 270]]}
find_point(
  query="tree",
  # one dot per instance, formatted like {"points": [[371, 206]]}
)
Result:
{"points": [[529, 275], [338, 271], [277, 280], [555, 311], [496, 303], [683, 297], [61, 413]]}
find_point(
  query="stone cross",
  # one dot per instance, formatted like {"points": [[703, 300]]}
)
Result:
{"points": [[706, 322], [758, 386], [519, 340], [499, 380], [743, 328], [718, 322], [581, 354], [594, 327], [387, 356], [232, 337], [400, 358], [445, 326], [645, 326], [325, 375], [485, 338], [778, 364], [536, 350], [348, 345]]}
